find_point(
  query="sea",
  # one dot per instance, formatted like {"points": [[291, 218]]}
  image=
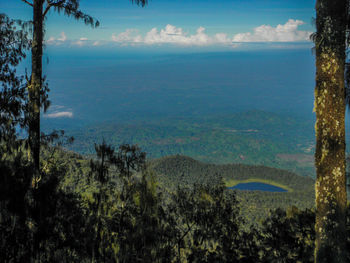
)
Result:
{"points": [[100, 85]]}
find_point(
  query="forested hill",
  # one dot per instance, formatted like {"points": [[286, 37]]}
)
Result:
{"points": [[177, 170], [186, 170]]}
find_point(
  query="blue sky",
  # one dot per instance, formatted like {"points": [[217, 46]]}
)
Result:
{"points": [[179, 23]]}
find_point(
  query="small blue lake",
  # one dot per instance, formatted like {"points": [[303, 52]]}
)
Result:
{"points": [[256, 186]]}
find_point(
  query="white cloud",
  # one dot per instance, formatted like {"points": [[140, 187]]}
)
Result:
{"points": [[81, 42], [222, 38], [63, 37], [61, 114], [281, 33], [130, 36], [51, 41], [170, 35], [56, 107], [174, 35], [60, 40]]}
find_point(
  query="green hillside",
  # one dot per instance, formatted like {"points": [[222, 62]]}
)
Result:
{"points": [[183, 171], [255, 205]]}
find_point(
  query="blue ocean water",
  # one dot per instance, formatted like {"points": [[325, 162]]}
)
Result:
{"points": [[104, 85]]}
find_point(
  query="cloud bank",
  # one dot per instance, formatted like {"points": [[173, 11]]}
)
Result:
{"points": [[61, 114], [176, 36], [173, 35], [59, 41], [281, 33], [81, 42], [62, 39]]}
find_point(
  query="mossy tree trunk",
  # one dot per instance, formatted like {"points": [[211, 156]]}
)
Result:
{"points": [[35, 86], [34, 92], [330, 131]]}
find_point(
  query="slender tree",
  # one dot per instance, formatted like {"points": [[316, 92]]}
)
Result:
{"points": [[331, 16], [40, 11]]}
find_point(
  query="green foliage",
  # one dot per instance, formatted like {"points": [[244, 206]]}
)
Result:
{"points": [[14, 185], [124, 207], [13, 95], [207, 225], [41, 223], [130, 217], [288, 236]]}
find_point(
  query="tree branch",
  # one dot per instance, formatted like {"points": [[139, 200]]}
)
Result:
{"points": [[27, 2], [50, 4]]}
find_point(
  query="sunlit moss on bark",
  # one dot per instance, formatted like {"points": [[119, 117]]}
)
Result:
{"points": [[329, 106]]}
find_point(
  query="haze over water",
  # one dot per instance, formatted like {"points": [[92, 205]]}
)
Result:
{"points": [[99, 86]]}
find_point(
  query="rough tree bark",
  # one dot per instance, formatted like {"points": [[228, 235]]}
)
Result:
{"points": [[35, 86], [330, 131]]}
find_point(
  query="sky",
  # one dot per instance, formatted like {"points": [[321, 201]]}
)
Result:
{"points": [[180, 24]]}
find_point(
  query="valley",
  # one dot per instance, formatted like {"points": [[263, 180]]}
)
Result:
{"points": [[181, 171], [251, 137]]}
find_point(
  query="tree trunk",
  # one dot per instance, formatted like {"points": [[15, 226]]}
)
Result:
{"points": [[34, 89], [330, 132]]}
